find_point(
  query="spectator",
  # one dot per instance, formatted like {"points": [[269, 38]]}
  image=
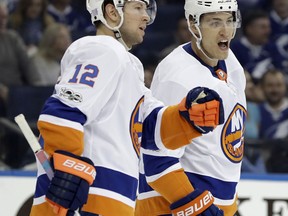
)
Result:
{"points": [[279, 18], [182, 35], [55, 41], [87, 27], [63, 12], [253, 160], [279, 33], [274, 120], [247, 5], [30, 20], [16, 69], [253, 95], [279, 54], [253, 92], [274, 112], [252, 49], [12, 5]]}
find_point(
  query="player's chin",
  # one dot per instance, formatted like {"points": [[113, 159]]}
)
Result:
{"points": [[222, 55], [138, 40]]}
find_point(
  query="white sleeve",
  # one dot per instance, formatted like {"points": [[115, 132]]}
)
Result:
{"points": [[89, 77]]}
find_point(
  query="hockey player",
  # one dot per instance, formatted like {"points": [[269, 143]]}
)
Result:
{"points": [[91, 126], [211, 162]]}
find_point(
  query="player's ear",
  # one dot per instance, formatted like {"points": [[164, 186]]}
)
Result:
{"points": [[111, 13], [193, 26]]}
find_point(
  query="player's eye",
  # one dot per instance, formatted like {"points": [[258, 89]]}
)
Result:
{"points": [[215, 24], [230, 22], [141, 6]]}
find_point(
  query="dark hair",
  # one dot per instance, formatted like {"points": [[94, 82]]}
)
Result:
{"points": [[19, 16], [273, 71], [251, 16]]}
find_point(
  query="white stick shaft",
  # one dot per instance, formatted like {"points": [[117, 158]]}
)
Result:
{"points": [[34, 144], [28, 133]]}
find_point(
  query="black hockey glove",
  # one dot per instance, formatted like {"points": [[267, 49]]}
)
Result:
{"points": [[69, 187]]}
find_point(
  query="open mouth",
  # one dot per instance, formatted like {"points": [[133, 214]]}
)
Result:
{"points": [[223, 44]]}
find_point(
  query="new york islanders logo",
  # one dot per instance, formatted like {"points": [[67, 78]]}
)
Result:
{"points": [[136, 125], [232, 138]]}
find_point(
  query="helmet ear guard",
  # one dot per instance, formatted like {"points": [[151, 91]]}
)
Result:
{"points": [[94, 7]]}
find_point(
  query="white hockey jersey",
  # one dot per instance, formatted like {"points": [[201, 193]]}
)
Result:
{"points": [[213, 161], [97, 112]]}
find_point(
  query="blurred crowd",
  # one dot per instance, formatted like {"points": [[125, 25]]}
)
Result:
{"points": [[34, 35]]}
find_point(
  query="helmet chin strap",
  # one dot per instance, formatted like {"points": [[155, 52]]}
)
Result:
{"points": [[118, 36], [116, 30], [198, 41]]}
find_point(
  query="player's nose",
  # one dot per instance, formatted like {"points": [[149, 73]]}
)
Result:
{"points": [[146, 17]]}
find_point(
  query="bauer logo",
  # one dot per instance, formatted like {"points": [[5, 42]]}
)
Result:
{"points": [[136, 127], [232, 138], [87, 169], [201, 202]]}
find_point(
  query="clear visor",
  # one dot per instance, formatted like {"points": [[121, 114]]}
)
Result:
{"points": [[232, 22], [151, 9]]}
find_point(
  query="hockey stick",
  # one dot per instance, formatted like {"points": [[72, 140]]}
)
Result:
{"points": [[34, 144], [36, 147]]}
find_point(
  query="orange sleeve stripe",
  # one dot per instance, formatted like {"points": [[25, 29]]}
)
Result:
{"points": [[74, 166], [61, 138], [42, 209], [152, 206], [229, 210], [96, 204], [173, 186], [107, 206], [175, 130]]}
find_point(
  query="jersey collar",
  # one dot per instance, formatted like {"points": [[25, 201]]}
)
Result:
{"points": [[219, 71]]}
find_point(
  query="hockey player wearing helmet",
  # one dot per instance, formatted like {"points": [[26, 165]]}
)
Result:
{"points": [[129, 25], [91, 126], [212, 162], [213, 26]]}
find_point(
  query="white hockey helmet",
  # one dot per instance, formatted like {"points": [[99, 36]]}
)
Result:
{"points": [[95, 8], [196, 8]]}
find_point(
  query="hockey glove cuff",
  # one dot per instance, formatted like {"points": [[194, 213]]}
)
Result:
{"points": [[196, 203], [70, 185]]}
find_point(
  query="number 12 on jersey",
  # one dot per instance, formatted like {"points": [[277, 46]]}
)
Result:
{"points": [[85, 74]]}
